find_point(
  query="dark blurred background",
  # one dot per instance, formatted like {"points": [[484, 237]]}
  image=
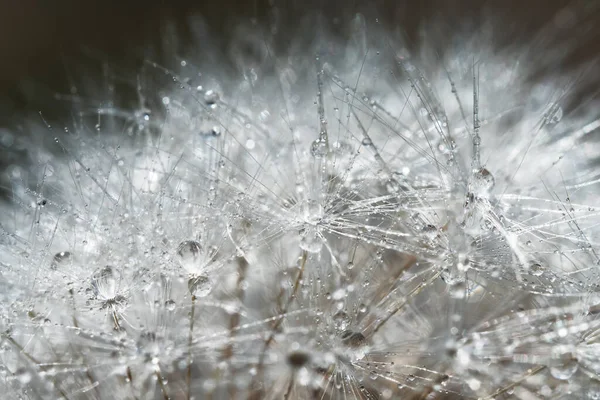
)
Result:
{"points": [[45, 43], [36, 35]]}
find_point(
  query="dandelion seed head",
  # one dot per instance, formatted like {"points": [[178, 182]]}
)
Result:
{"points": [[345, 219]]}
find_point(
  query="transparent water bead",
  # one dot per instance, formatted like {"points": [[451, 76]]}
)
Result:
{"points": [[430, 232], [482, 182], [353, 339], [536, 269], [211, 98], [105, 283], [61, 258], [170, 305], [554, 114], [190, 254], [354, 344], [565, 371], [200, 286], [341, 320], [319, 148], [310, 239]]}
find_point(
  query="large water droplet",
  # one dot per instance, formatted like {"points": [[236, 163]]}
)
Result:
{"points": [[189, 253], [61, 258], [319, 148], [353, 339], [200, 286], [565, 371], [430, 232], [355, 344], [105, 283], [482, 183], [310, 240], [536, 269], [170, 305], [554, 115], [211, 98], [341, 320]]}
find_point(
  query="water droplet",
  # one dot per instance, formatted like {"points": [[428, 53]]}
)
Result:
{"points": [[170, 305], [105, 283], [458, 290], [554, 115], [353, 339], [536, 269], [61, 258], [319, 148], [341, 320], [430, 232], [215, 131], [310, 240], [200, 286], [565, 371], [189, 253], [482, 182], [211, 98]]}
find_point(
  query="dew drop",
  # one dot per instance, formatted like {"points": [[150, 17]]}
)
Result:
{"points": [[211, 98], [61, 258], [430, 232], [319, 148], [200, 286], [458, 289], [310, 240], [105, 283], [536, 269], [341, 320], [554, 115], [170, 305], [353, 339], [565, 371], [482, 182], [189, 253]]}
